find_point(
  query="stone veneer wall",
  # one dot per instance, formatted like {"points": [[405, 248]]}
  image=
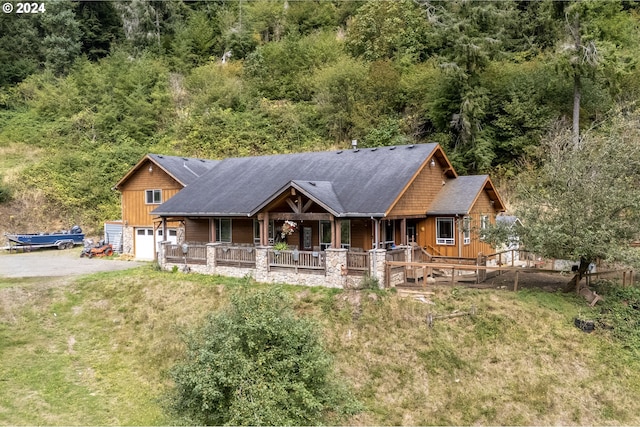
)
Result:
{"points": [[377, 266], [127, 240], [333, 276]]}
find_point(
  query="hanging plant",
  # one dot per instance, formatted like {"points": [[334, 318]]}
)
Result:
{"points": [[288, 228]]}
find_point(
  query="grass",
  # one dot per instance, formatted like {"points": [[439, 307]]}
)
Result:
{"points": [[96, 350]]}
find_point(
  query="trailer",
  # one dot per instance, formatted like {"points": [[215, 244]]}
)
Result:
{"points": [[61, 240]]}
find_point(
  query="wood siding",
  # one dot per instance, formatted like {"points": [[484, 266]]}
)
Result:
{"points": [[197, 230], [482, 207], [421, 192], [242, 230], [361, 232], [135, 211], [426, 232]]}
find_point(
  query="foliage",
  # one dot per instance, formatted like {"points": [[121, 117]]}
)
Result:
{"points": [[582, 202], [487, 80], [395, 30], [5, 191], [255, 363], [619, 313], [61, 43], [281, 246]]}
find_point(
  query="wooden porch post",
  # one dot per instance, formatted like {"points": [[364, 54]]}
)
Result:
{"points": [[264, 229], [338, 227], [164, 229], [403, 232]]}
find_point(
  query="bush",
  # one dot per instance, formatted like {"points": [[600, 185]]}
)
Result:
{"points": [[5, 192], [256, 363]]}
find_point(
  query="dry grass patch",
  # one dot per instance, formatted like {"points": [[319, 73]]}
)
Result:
{"points": [[96, 351]]}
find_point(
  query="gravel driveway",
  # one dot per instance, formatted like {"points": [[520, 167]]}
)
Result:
{"points": [[56, 263]]}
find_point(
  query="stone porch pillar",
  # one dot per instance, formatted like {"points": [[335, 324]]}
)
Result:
{"points": [[377, 266], [336, 267]]}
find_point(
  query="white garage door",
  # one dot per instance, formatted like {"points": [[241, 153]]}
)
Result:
{"points": [[144, 243], [172, 235]]}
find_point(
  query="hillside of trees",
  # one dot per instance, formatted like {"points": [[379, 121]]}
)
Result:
{"points": [[87, 88]]}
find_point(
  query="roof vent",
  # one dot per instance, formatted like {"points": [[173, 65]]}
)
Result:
{"points": [[160, 157], [338, 152], [185, 159], [410, 146], [312, 183], [392, 148], [374, 148]]}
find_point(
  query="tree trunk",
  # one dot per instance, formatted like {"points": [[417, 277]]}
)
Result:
{"points": [[577, 84], [574, 283], [577, 93]]}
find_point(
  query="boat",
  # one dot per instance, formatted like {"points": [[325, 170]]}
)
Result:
{"points": [[65, 239]]}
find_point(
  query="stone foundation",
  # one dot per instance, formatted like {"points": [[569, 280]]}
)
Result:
{"points": [[334, 275]]}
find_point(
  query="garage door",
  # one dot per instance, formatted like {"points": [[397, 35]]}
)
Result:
{"points": [[144, 244], [172, 235]]}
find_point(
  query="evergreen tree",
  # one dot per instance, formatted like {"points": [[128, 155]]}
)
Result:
{"points": [[101, 27], [61, 44]]}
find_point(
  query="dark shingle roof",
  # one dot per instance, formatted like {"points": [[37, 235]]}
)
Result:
{"points": [[184, 169], [361, 182], [458, 195]]}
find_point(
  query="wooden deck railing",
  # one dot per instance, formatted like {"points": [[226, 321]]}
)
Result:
{"points": [[236, 256], [395, 255], [196, 253], [297, 259], [358, 262]]}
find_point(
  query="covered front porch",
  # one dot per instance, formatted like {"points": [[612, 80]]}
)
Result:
{"points": [[333, 267]]}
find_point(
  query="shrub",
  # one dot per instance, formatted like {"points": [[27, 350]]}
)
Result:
{"points": [[256, 363], [5, 192]]}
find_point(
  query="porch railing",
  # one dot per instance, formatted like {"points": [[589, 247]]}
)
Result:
{"points": [[395, 255], [236, 256], [358, 262], [315, 260], [196, 253]]}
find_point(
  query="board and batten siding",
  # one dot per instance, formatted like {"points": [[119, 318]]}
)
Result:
{"points": [[482, 207], [421, 192], [135, 211], [427, 231]]}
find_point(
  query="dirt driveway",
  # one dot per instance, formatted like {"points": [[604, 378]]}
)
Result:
{"points": [[57, 263]]}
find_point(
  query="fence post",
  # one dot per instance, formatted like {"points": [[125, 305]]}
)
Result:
{"points": [[515, 284]]}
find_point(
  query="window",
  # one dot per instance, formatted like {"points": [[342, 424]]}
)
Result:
{"points": [[484, 223], [153, 197], [345, 233], [466, 229], [223, 230], [256, 231], [325, 235], [444, 231]]}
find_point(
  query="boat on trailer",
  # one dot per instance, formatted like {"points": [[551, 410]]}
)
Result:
{"points": [[65, 239]]}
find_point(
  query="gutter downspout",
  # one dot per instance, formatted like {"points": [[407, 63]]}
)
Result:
{"points": [[376, 244]]}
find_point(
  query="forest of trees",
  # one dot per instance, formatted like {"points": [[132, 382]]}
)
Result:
{"points": [[88, 87]]}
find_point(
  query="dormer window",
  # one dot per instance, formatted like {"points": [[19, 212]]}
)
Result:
{"points": [[153, 197]]}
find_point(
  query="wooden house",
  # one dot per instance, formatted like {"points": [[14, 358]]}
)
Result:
{"points": [[358, 199], [148, 184]]}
